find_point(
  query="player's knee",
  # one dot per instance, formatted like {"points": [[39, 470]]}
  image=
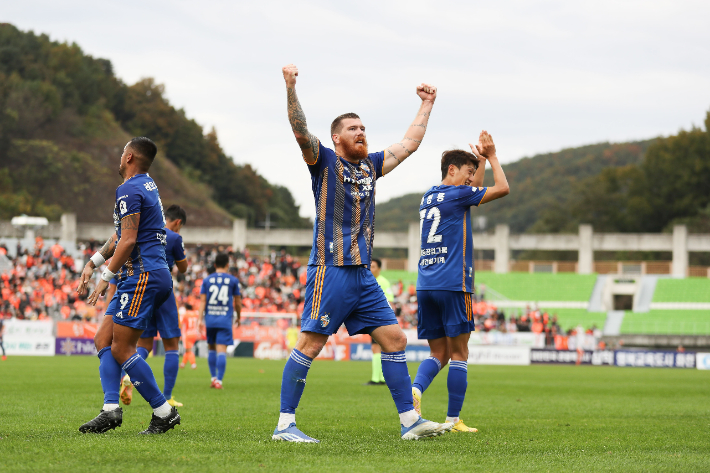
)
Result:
{"points": [[398, 341]]}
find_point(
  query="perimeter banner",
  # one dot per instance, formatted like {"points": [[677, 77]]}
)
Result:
{"points": [[74, 346], [654, 359], [570, 357]]}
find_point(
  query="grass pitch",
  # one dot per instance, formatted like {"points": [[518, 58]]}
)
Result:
{"points": [[534, 418]]}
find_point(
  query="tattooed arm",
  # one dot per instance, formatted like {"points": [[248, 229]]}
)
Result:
{"points": [[398, 152], [106, 251], [129, 234], [297, 119]]}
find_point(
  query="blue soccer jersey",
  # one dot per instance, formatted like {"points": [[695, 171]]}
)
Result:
{"points": [[139, 194], [446, 259], [345, 205], [174, 248], [220, 289]]}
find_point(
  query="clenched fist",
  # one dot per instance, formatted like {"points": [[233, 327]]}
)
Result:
{"points": [[290, 73], [426, 92]]}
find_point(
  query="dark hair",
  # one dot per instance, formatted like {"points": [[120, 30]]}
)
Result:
{"points": [[175, 212], [335, 127], [221, 260], [458, 158], [145, 149], [378, 261]]}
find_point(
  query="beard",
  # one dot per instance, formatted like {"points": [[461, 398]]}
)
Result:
{"points": [[354, 150], [121, 170]]}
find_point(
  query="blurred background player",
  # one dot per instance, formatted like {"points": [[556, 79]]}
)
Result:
{"points": [[377, 377], [144, 284], [166, 321], [190, 334], [445, 280], [340, 288], [2, 346], [220, 302]]}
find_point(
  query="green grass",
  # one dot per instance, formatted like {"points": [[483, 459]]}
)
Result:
{"points": [[535, 418], [682, 290], [686, 322]]}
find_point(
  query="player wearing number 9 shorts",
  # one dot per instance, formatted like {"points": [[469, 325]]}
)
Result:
{"points": [[220, 299], [445, 282]]}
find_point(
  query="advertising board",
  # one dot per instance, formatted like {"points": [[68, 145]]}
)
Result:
{"points": [[498, 355], [702, 361], [654, 359], [29, 345], [74, 346], [569, 357]]}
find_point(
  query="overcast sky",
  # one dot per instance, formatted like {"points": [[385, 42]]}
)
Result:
{"points": [[539, 76]]}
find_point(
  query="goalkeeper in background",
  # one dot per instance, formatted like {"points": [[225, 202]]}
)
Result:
{"points": [[377, 377]]}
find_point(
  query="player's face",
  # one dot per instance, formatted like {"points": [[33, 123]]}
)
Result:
{"points": [[375, 268], [122, 166], [464, 175], [352, 139]]}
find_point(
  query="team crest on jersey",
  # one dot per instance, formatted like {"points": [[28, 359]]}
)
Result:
{"points": [[324, 320]]}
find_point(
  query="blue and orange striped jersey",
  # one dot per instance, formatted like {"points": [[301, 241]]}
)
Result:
{"points": [[345, 204], [446, 257], [139, 194]]}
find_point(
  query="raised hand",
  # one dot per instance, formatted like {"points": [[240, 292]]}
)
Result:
{"points": [[426, 92], [290, 73], [486, 148]]}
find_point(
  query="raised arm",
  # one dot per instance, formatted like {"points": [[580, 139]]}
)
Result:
{"points": [[486, 150], [398, 152], [297, 119], [480, 173]]}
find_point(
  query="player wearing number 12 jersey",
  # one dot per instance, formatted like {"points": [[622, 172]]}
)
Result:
{"points": [[219, 301], [445, 282]]}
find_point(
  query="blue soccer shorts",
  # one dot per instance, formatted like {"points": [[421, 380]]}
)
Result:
{"points": [[344, 294], [166, 321], [219, 336], [138, 298], [444, 314]]}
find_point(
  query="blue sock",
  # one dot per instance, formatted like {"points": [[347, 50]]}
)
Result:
{"points": [[144, 381], [394, 367], [428, 369], [221, 365], [212, 361], [457, 383], [294, 381], [110, 372], [142, 352], [170, 372]]}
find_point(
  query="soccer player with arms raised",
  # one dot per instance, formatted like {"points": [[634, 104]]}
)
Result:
{"points": [[144, 284], [340, 288], [445, 281]]}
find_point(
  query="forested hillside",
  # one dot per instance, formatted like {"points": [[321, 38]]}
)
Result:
{"points": [[64, 119], [645, 186]]}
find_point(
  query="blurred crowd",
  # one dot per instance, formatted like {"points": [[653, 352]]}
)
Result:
{"points": [[41, 283], [38, 283]]}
